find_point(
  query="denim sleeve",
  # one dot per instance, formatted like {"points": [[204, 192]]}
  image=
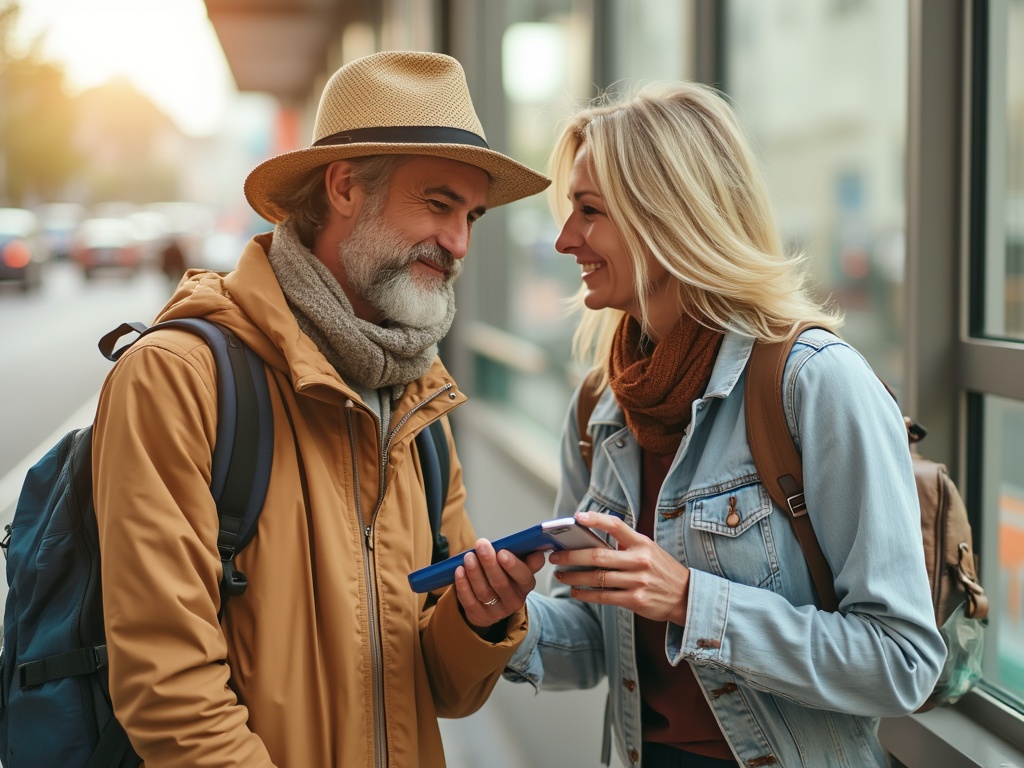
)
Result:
{"points": [[563, 648], [880, 654]]}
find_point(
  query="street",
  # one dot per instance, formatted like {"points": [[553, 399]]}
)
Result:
{"points": [[52, 369]]}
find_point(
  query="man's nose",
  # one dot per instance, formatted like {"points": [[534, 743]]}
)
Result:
{"points": [[455, 239]]}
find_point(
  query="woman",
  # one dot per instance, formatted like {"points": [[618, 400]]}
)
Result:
{"points": [[703, 616]]}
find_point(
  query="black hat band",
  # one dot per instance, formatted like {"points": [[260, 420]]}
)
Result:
{"points": [[404, 134]]}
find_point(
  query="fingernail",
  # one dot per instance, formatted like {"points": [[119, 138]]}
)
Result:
{"points": [[583, 516]]}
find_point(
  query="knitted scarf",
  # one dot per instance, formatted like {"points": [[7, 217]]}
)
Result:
{"points": [[367, 354], [657, 383]]}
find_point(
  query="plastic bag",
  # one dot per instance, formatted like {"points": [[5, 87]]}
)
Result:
{"points": [[965, 643]]}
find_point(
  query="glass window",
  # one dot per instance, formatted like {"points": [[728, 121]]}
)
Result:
{"points": [[1003, 309], [1002, 500], [643, 42], [821, 88], [545, 53], [555, 55], [997, 310]]}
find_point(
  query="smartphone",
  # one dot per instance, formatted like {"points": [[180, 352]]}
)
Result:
{"points": [[562, 533]]}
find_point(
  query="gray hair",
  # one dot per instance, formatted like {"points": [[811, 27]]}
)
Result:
{"points": [[306, 204]]}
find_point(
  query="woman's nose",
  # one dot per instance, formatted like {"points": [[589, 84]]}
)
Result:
{"points": [[568, 238]]}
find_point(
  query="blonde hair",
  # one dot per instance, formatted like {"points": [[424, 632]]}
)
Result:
{"points": [[681, 183]]}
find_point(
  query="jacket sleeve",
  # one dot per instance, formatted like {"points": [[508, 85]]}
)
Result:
{"points": [[881, 653], [153, 438], [463, 668], [564, 645]]}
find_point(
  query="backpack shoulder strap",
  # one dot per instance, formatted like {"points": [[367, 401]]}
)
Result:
{"points": [[435, 462], [590, 393], [244, 450], [775, 455]]}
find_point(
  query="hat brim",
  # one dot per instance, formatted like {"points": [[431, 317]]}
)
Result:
{"points": [[279, 175]]}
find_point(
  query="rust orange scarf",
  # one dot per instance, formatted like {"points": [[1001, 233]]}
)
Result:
{"points": [[657, 383]]}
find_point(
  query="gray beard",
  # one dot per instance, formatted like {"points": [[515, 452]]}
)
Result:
{"points": [[377, 263]]}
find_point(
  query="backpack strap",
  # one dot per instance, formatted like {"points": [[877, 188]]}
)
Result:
{"points": [[590, 393], [112, 747], [244, 450], [775, 455], [435, 463]]}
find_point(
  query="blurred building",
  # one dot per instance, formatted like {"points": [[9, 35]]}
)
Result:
{"points": [[892, 137]]}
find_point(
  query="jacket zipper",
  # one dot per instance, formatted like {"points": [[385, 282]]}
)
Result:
{"points": [[380, 733], [369, 567]]}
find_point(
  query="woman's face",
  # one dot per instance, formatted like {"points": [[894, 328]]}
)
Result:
{"points": [[590, 235]]}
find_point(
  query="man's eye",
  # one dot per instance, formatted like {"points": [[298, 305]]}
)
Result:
{"points": [[438, 205]]}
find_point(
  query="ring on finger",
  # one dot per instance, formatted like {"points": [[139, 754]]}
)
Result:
{"points": [[492, 601], [602, 574]]}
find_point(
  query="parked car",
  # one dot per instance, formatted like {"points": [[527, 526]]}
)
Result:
{"points": [[106, 243], [22, 253], [57, 225]]}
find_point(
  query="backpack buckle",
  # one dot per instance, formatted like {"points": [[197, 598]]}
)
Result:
{"points": [[797, 505], [234, 583]]}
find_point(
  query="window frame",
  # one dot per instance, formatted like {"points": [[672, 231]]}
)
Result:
{"points": [[988, 365]]}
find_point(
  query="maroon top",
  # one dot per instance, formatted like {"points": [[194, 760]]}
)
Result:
{"points": [[674, 710]]}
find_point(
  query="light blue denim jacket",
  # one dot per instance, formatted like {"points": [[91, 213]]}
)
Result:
{"points": [[790, 684]]}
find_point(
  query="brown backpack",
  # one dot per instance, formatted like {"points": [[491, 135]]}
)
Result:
{"points": [[946, 533]]}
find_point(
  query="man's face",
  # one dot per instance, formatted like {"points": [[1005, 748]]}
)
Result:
{"points": [[406, 249]]}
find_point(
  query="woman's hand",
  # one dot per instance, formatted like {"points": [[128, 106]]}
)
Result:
{"points": [[639, 575], [491, 586]]}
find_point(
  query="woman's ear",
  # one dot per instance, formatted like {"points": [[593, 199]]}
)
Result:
{"points": [[344, 197]]}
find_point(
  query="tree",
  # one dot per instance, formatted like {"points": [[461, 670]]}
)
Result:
{"points": [[111, 142], [133, 148], [37, 123]]}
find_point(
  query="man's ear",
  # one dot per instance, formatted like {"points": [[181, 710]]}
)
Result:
{"points": [[343, 195]]}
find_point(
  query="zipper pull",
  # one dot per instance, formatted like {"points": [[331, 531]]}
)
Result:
{"points": [[367, 532]]}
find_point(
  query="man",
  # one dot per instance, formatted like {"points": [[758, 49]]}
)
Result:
{"points": [[328, 659]]}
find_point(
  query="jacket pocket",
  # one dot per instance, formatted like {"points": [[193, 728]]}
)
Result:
{"points": [[733, 532]]}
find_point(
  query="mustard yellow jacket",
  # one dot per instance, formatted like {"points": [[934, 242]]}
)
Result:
{"points": [[328, 659]]}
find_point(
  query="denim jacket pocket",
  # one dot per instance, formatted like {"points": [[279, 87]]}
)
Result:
{"points": [[732, 529]]}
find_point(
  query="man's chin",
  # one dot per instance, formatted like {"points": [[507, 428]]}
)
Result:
{"points": [[415, 314]]}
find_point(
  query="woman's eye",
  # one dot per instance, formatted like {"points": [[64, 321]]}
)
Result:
{"points": [[588, 210]]}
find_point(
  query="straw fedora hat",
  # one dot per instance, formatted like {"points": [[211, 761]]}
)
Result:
{"points": [[394, 103]]}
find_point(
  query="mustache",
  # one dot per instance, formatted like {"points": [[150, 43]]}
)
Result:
{"points": [[438, 256]]}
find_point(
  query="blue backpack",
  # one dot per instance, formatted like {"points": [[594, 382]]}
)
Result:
{"points": [[55, 705]]}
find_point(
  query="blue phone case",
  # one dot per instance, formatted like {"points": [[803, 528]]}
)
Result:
{"points": [[562, 533]]}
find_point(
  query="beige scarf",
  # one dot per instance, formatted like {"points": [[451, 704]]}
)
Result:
{"points": [[370, 355]]}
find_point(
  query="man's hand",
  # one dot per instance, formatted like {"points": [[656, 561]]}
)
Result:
{"points": [[639, 575], [491, 586]]}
